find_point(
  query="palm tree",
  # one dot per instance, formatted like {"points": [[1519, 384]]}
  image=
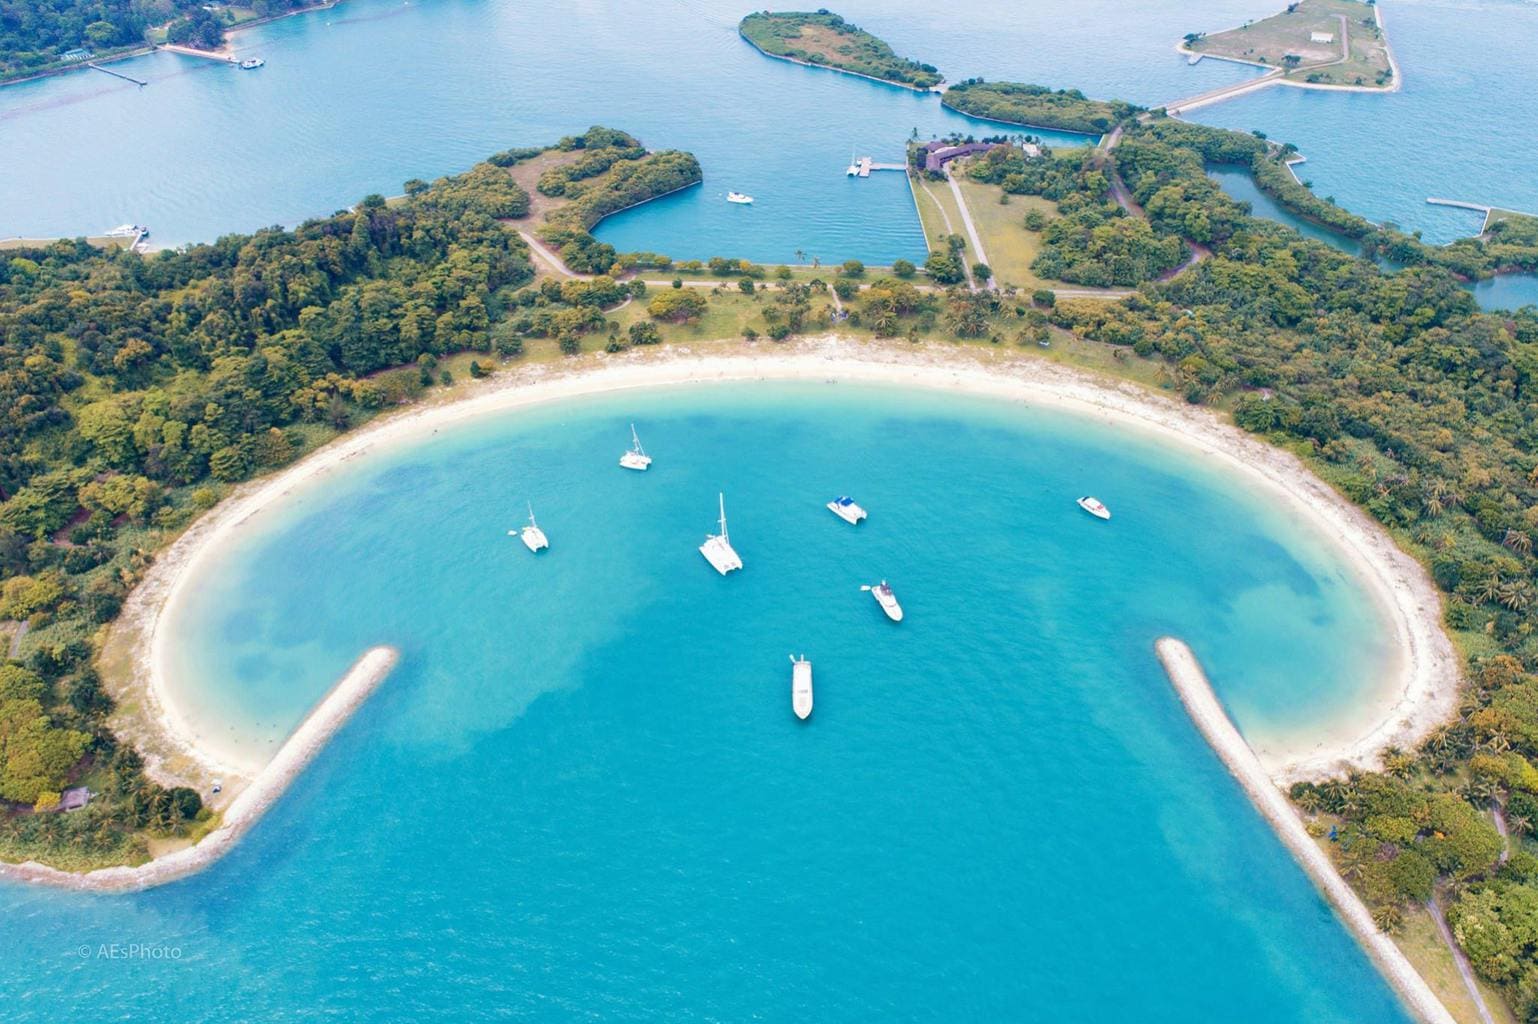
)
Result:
{"points": [[800, 256]]}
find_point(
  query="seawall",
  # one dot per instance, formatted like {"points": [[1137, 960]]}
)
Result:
{"points": [[1202, 704], [328, 716]]}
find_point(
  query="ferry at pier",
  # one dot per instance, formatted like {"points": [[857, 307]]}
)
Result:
{"points": [[801, 687], [1094, 507], [739, 197], [882, 592], [845, 508], [718, 550], [532, 536], [636, 457]]}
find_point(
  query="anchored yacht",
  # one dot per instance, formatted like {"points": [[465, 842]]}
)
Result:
{"points": [[882, 592], [801, 687], [252, 63], [739, 197], [845, 508], [532, 536], [717, 548], [636, 457], [1094, 507]]}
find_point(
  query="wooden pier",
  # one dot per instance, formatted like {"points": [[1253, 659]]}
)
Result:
{"points": [[115, 74], [864, 165]]}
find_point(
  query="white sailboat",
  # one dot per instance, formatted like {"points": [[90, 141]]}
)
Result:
{"points": [[845, 508], [882, 592], [1094, 507], [532, 536], [636, 457], [718, 550], [801, 687], [854, 165]]}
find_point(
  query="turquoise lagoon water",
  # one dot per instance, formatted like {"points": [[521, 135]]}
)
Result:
{"points": [[361, 97], [582, 792]]}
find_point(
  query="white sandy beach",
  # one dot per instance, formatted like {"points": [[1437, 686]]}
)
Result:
{"points": [[1417, 692]]}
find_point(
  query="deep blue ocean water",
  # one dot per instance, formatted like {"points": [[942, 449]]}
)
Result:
{"points": [[583, 793], [361, 97]]}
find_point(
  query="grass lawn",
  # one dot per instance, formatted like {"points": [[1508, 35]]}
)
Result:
{"points": [[1010, 247], [938, 214], [1272, 40], [1426, 951]]}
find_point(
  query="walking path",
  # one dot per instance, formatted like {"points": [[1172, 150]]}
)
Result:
{"points": [[1434, 908], [977, 243], [544, 254], [949, 227]]}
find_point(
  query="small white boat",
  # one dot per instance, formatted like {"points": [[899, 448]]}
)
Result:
{"points": [[532, 536], [845, 508], [1094, 507], [854, 166], [739, 197], [801, 687], [718, 550], [882, 592], [252, 63], [636, 457]]}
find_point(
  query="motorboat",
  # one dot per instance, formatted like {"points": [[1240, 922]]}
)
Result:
{"points": [[882, 592], [1094, 507], [739, 197], [801, 687]]}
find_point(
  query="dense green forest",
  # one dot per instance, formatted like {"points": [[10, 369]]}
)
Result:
{"points": [[1036, 106], [135, 387], [35, 34], [823, 38]]}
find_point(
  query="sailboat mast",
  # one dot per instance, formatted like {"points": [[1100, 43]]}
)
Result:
{"points": [[724, 536]]}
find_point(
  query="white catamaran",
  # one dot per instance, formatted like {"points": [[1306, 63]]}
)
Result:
{"points": [[717, 548], [801, 687], [845, 508], [636, 457], [532, 536]]}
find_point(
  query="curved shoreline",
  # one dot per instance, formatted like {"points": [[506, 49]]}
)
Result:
{"points": [[1206, 711], [843, 71], [245, 810], [1421, 686]]}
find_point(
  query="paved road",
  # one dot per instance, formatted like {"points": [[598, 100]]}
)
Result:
{"points": [[977, 243]]}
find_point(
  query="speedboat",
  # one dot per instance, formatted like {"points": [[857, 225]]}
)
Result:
{"points": [[845, 508], [532, 536], [882, 592], [251, 63], [636, 457], [739, 197], [718, 550], [801, 687], [1094, 507]]}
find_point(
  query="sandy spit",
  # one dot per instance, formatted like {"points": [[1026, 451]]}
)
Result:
{"points": [[245, 810], [1207, 712]]}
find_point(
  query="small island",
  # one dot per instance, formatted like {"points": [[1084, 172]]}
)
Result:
{"points": [[1036, 106], [1336, 43], [828, 41]]}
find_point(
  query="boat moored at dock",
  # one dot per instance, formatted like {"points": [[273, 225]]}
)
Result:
{"points": [[252, 63], [636, 458], [1094, 507], [718, 550], [882, 592], [532, 536], [801, 687], [845, 508]]}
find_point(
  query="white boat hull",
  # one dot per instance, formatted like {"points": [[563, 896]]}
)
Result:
{"points": [[888, 603], [850, 513], [720, 554], [1094, 508], [801, 689], [635, 460], [534, 538]]}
